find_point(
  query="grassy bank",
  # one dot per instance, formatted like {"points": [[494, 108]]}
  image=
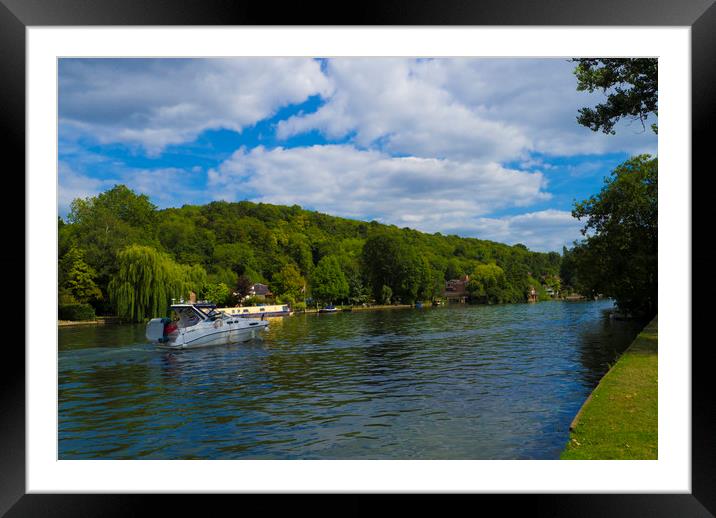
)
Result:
{"points": [[619, 419]]}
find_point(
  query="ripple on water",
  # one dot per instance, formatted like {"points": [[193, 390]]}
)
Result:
{"points": [[467, 382]]}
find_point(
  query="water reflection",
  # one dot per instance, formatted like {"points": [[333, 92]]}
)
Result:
{"points": [[470, 382]]}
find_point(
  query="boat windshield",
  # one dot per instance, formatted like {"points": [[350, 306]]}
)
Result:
{"points": [[188, 316], [213, 314]]}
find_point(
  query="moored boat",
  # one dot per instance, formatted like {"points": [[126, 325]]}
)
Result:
{"points": [[276, 310], [329, 309], [200, 325]]}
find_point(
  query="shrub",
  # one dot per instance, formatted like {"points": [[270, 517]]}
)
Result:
{"points": [[76, 312]]}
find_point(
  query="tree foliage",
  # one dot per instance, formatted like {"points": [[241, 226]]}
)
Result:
{"points": [[488, 284], [243, 287], [76, 278], [218, 293], [328, 283], [288, 283], [619, 256], [102, 225], [386, 295], [390, 260], [631, 87], [242, 243], [146, 282]]}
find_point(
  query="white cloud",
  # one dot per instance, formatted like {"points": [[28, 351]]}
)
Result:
{"points": [[488, 109], [460, 108], [155, 103], [424, 193], [388, 100], [165, 187], [426, 137], [72, 185], [546, 230], [539, 97]]}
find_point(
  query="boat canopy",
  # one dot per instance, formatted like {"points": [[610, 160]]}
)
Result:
{"points": [[189, 314]]}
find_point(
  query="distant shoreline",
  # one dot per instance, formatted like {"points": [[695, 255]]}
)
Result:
{"points": [[99, 321], [117, 320], [360, 308]]}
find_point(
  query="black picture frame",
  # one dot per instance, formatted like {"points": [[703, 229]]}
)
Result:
{"points": [[700, 15]]}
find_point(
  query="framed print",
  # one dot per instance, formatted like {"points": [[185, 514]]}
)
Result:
{"points": [[358, 201]]}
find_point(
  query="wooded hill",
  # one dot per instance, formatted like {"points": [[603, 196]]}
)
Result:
{"points": [[114, 249]]}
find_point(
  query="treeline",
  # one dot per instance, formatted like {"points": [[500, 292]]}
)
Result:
{"points": [[123, 256], [618, 257]]}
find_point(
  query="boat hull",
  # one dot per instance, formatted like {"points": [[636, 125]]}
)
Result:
{"points": [[229, 334]]}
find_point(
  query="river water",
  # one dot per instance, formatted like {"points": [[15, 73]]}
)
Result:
{"points": [[458, 382]]}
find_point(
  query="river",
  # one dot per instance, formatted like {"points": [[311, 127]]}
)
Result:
{"points": [[457, 382]]}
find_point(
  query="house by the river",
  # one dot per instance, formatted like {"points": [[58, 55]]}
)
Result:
{"points": [[456, 289]]}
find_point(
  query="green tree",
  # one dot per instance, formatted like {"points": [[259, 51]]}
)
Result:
{"points": [[193, 274], [288, 282], [567, 271], [104, 224], [238, 257], [380, 255], [222, 241], [517, 274], [358, 292], [386, 295], [554, 282], [454, 269], [218, 293], [243, 287], [390, 261], [631, 86], [147, 280], [124, 204], [77, 278], [432, 283], [618, 258], [183, 233], [328, 283], [300, 251], [221, 275], [487, 284]]}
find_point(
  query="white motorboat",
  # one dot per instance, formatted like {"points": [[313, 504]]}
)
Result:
{"points": [[200, 325], [329, 309]]}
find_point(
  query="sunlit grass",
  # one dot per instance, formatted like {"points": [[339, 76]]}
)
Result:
{"points": [[619, 421]]}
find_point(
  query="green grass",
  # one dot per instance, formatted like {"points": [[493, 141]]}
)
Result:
{"points": [[619, 420]]}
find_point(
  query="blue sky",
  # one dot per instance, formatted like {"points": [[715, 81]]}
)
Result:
{"points": [[486, 148]]}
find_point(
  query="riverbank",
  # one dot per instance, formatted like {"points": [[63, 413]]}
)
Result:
{"points": [[619, 419], [117, 320], [97, 321], [362, 308]]}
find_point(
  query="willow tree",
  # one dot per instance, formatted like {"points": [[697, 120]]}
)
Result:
{"points": [[147, 280]]}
